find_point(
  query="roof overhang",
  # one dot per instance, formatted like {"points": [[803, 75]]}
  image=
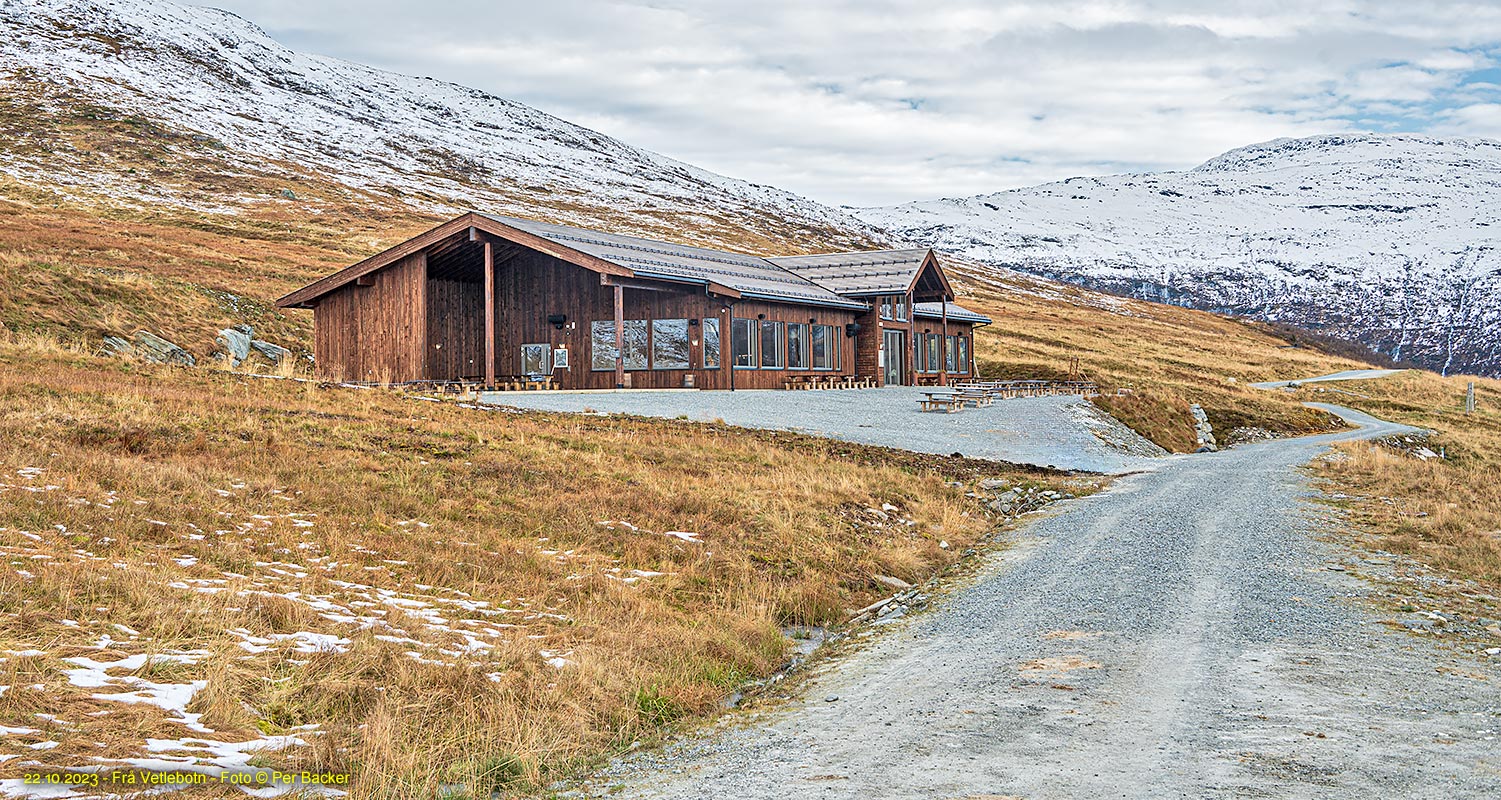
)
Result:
{"points": [[930, 264], [307, 295]]}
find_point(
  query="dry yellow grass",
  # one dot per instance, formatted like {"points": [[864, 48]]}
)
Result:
{"points": [[453, 553], [1445, 512], [1167, 357]]}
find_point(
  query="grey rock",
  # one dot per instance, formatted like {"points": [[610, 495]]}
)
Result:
{"points": [[991, 484], [236, 342], [274, 353], [157, 350], [893, 582], [115, 346], [1203, 430]]}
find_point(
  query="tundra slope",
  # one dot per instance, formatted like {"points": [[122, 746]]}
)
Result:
{"points": [[1178, 636], [1388, 240], [235, 96]]}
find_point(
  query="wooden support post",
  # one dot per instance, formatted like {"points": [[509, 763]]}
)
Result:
{"points": [[619, 336], [489, 315], [912, 344], [944, 369]]}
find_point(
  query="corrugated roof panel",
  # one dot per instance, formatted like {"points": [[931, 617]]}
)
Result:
{"points": [[956, 312], [869, 272], [750, 275]]}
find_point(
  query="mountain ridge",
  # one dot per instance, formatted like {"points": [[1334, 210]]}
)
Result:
{"points": [[437, 146], [1378, 238]]}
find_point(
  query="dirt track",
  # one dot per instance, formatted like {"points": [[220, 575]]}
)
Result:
{"points": [[1178, 636]]}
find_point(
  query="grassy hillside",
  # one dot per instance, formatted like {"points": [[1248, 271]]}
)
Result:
{"points": [[419, 593], [1166, 357], [1444, 511]]}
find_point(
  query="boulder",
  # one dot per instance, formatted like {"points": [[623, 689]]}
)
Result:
{"points": [[236, 342], [274, 353], [991, 484], [115, 346], [157, 350], [894, 583]]}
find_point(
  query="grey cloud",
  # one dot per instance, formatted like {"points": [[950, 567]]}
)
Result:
{"points": [[891, 100]]}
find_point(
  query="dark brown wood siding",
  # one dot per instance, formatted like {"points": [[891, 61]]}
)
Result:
{"points": [[407, 326], [376, 332], [455, 329]]}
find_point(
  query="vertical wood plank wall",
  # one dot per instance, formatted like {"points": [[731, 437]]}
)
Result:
{"points": [[378, 332], [455, 329]]}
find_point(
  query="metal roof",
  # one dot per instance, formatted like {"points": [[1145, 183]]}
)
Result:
{"points": [[752, 276], [860, 273], [957, 313]]}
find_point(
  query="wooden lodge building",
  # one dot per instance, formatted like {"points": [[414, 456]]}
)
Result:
{"points": [[490, 299]]}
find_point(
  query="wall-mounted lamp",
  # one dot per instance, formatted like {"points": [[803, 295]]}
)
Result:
{"points": [[812, 321], [760, 316], [557, 320], [852, 329], [693, 323]]}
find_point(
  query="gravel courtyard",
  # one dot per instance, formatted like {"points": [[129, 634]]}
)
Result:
{"points": [[1065, 432]]}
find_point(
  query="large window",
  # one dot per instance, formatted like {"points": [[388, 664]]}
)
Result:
{"points": [[901, 307], [932, 344], [951, 354], [711, 342], [773, 344], [669, 344], [797, 345], [885, 307], [536, 359], [744, 333], [963, 355], [825, 347], [602, 344]]}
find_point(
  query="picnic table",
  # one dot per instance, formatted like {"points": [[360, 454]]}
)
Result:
{"points": [[950, 401]]}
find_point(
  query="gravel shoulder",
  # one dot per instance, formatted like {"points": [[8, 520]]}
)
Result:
{"points": [[1066, 432], [1181, 635]]}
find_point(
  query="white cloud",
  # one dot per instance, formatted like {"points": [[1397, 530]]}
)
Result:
{"points": [[888, 100]]}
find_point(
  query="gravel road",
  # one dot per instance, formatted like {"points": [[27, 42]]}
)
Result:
{"points": [[1178, 636], [1066, 432], [1347, 375]]}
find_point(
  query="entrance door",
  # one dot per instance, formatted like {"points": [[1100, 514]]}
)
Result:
{"points": [[896, 356]]}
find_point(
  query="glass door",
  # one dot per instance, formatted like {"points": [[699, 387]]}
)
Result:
{"points": [[896, 349]]}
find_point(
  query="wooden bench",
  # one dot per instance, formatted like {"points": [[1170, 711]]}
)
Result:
{"points": [[948, 403], [979, 398]]}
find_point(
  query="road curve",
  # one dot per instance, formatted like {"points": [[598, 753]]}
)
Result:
{"points": [[1177, 636], [1347, 375]]}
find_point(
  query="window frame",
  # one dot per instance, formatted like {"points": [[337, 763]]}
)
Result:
{"points": [[806, 344], [779, 342], [687, 362], [705, 325], [963, 355], [753, 342], [903, 310], [645, 327]]}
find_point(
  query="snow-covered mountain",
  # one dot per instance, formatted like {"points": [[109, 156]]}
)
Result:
{"points": [[1390, 240], [217, 87]]}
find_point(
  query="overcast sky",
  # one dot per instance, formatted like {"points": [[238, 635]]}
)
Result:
{"points": [[869, 102]]}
